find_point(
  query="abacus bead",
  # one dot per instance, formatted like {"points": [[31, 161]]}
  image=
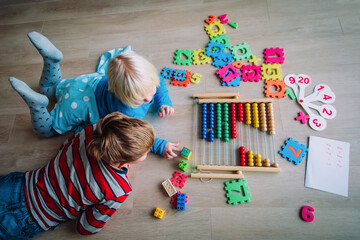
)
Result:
{"points": [[275, 165]]}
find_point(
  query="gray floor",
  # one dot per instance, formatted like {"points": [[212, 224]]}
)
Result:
{"points": [[320, 39]]}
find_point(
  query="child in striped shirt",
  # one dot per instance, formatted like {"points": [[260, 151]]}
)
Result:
{"points": [[86, 181]]}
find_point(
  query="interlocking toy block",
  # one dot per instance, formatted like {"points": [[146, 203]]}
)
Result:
{"points": [[237, 192], [183, 165], [195, 78], [222, 60], [181, 201], [159, 213], [223, 19], [274, 55], [182, 83], [174, 199], [293, 151], [185, 153], [215, 49], [199, 57], [250, 73], [183, 52], [234, 83], [280, 87], [215, 28], [167, 72], [178, 179], [290, 94], [244, 49], [223, 39], [233, 24], [302, 117], [228, 73], [179, 75], [170, 189], [254, 60], [271, 72]]}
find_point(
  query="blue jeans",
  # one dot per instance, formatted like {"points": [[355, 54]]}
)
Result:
{"points": [[14, 218]]}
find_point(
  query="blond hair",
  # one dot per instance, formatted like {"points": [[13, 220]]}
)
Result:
{"points": [[121, 139], [131, 77]]}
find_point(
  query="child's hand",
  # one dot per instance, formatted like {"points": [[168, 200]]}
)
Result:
{"points": [[165, 110], [171, 150]]}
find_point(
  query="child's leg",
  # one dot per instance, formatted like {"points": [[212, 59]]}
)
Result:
{"points": [[40, 117], [51, 74]]}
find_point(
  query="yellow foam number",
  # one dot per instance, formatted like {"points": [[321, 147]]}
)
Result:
{"points": [[195, 78], [271, 72], [215, 29], [199, 57]]}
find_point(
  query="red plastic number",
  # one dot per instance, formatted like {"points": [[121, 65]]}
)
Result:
{"points": [[306, 213], [223, 18]]}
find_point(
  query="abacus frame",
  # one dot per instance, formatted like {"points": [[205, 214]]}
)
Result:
{"points": [[236, 171]]}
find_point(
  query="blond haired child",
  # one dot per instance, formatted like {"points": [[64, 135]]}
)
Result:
{"points": [[130, 86], [86, 181]]}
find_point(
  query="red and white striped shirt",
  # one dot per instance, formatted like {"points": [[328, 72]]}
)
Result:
{"points": [[74, 185]]}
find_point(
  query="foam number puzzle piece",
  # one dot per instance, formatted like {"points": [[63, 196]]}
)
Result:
{"points": [[188, 54], [307, 213], [159, 213], [179, 75], [237, 191], [183, 165], [274, 55], [178, 179], [223, 19], [185, 153], [302, 117], [280, 87], [215, 49], [228, 73], [241, 51], [211, 19], [174, 199], [237, 64], [293, 151], [271, 71], [222, 60], [250, 73], [223, 39], [234, 83], [182, 83], [195, 78], [290, 82], [233, 24], [290, 94], [254, 60], [199, 57], [167, 73], [170, 189], [181, 201], [215, 28]]}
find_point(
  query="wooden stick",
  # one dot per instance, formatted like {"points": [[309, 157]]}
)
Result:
{"points": [[233, 100], [216, 95], [238, 168], [217, 175]]}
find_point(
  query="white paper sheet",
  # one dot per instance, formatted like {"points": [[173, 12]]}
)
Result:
{"points": [[327, 167]]}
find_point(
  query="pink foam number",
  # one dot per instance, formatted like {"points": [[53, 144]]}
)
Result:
{"points": [[251, 73], [223, 18], [303, 118], [306, 213], [274, 55], [228, 73]]}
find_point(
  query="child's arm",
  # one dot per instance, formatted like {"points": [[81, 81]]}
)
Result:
{"points": [[162, 99], [164, 148], [93, 218]]}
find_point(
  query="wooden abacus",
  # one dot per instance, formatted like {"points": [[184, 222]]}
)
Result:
{"points": [[215, 123]]}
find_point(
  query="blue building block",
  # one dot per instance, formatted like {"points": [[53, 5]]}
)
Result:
{"points": [[181, 201]]}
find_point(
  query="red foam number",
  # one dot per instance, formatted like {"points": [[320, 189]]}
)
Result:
{"points": [[307, 213]]}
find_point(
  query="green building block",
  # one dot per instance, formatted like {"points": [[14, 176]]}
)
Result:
{"points": [[183, 165]]}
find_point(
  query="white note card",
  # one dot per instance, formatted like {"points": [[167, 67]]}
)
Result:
{"points": [[327, 167]]}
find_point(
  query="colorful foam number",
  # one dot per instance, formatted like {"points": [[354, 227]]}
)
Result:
{"points": [[233, 24], [279, 86], [228, 73], [222, 60], [241, 51], [215, 28], [195, 78], [179, 75], [271, 72], [215, 49], [250, 73], [234, 83], [167, 73], [237, 64], [290, 94], [178, 179], [237, 192], [211, 19], [293, 151], [183, 83], [307, 213], [199, 57], [223, 38], [274, 55], [223, 19], [254, 60], [180, 53]]}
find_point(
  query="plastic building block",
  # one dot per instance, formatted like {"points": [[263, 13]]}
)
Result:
{"points": [[303, 118], [293, 151], [181, 201], [228, 73], [290, 94], [237, 191], [280, 87], [250, 73], [182, 83], [170, 189], [199, 57], [307, 213], [271, 72], [211, 19], [233, 24], [215, 28], [159, 213], [234, 83], [195, 78], [254, 60], [183, 52], [222, 39], [274, 55], [244, 49], [237, 64], [183, 165], [174, 199], [223, 19], [185, 153], [179, 75], [167, 72], [178, 179]]}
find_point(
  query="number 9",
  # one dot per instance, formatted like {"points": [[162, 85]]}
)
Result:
{"points": [[306, 213]]}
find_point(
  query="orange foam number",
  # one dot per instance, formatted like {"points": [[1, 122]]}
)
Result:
{"points": [[280, 88], [211, 19]]}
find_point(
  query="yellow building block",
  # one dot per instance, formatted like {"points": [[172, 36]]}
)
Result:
{"points": [[159, 213]]}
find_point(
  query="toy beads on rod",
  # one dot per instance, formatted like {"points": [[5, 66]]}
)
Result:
{"points": [[226, 129], [263, 128], [233, 129], [240, 115], [218, 128], [256, 124], [203, 128], [211, 126], [250, 154], [271, 129]]}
